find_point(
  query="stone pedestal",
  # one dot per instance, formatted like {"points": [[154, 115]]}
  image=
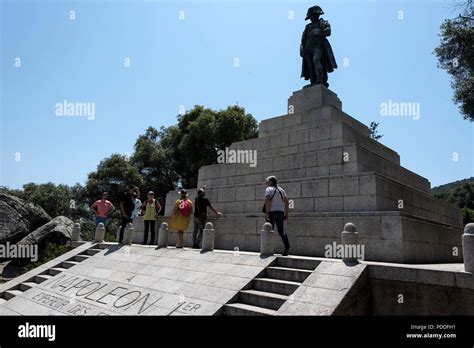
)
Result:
{"points": [[128, 237], [350, 242], [99, 233], [76, 233], [163, 235], [208, 237], [333, 172], [266, 240], [468, 247]]}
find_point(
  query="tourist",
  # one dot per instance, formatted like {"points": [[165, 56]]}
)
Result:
{"points": [[201, 204], [276, 209], [102, 208], [152, 208], [138, 205], [180, 216], [127, 206]]}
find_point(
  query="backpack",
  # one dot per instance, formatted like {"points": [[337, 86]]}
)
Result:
{"points": [[185, 207]]}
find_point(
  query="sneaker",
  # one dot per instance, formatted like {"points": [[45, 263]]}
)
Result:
{"points": [[285, 253], [195, 246]]}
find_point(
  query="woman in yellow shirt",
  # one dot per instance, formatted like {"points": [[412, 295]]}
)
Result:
{"points": [[152, 208], [181, 215]]}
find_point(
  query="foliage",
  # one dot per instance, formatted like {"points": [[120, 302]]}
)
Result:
{"points": [[113, 175], [199, 134], [56, 200], [460, 194], [162, 160], [467, 215], [456, 55], [374, 134]]}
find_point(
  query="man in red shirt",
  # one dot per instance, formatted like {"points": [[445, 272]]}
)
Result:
{"points": [[102, 209]]}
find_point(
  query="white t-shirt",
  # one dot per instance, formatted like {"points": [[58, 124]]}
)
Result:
{"points": [[277, 203], [136, 211]]}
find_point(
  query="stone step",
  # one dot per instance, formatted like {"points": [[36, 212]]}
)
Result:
{"points": [[296, 262], [42, 278], [291, 274], [245, 309], [92, 252], [27, 286], [102, 246], [275, 286], [262, 299], [2, 300], [69, 264], [55, 270], [80, 258], [9, 294]]}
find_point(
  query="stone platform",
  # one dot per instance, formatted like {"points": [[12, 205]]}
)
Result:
{"points": [[108, 279], [333, 173]]}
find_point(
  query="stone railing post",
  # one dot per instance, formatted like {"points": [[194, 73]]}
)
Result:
{"points": [[129, 234], [163, 235], [99, 233], [468, 247], [350, 242], [76, 232], [266, 240], [208, 235]]}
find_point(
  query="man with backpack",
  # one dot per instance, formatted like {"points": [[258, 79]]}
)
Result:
{"points": [[201, 204], [276, 209], [180, 216], [152, 208]]}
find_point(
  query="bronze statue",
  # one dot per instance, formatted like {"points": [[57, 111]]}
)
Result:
{"points": [[318, 58]]}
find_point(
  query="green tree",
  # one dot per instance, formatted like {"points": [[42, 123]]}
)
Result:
{"points": [[460, 194], [456, 55], [151, 160], [199, 134], [56, 200], [113, 175]]}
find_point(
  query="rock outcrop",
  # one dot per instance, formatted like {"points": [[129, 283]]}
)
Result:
{"points": [[18, 218]]}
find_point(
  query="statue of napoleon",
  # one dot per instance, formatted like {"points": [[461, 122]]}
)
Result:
{"points": [[318, 59]]}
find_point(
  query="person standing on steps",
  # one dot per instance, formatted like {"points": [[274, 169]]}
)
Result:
{"points": [[180, 216], [152, 208], [201, 204], [276, 209], [127, 205], [138, 204], [102, 208]]}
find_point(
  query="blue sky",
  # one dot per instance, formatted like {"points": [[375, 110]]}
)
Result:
{"points": [[175, 61]]}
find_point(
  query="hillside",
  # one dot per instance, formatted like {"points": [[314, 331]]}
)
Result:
{"points": [[451, 187], [459, 193]]}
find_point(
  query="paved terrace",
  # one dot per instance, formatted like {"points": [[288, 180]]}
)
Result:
{"points": [[108, 279]]}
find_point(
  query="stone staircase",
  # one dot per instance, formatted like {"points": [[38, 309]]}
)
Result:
{"points": [[266, 293], [48, 274]]}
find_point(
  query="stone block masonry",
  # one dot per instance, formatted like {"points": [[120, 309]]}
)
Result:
{"points": [[331, 170]]}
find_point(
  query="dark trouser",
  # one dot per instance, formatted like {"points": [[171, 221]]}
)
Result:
{"points": [[198, 230], [125, 221], [313, 59], [148, 224], [278, 217]]}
